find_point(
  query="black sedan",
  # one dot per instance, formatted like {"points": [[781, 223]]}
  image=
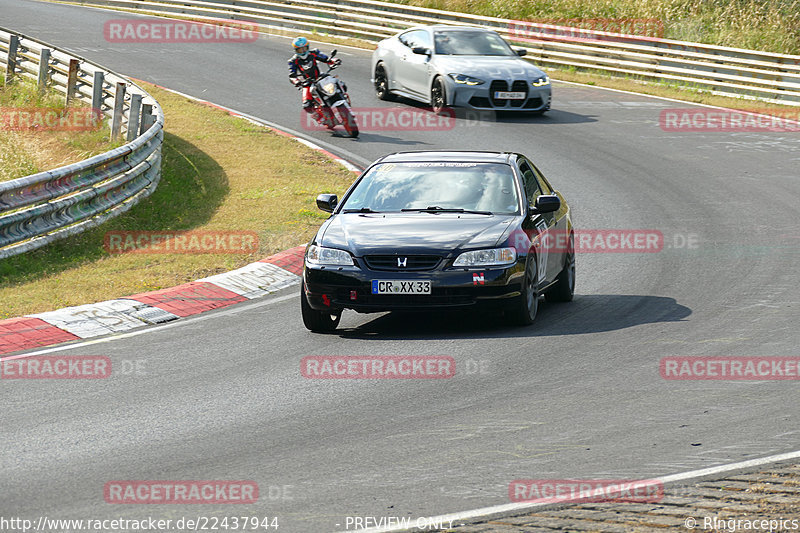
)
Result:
{"points": [[440, 230]]}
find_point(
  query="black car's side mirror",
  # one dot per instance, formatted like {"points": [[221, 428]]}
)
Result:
{"points": [[327, 202], [421, 50], [521, 52], [546, 203]]}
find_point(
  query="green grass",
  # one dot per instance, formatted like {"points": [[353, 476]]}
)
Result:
{"points": [[26, 152], [769, 25]]}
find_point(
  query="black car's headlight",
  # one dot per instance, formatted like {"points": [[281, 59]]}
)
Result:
{"points": [[319, 255], [487, 258], [540, 81], [463, 79]]}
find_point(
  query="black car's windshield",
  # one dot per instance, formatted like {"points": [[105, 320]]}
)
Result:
{"points": [[436, 187], [470, 43]]}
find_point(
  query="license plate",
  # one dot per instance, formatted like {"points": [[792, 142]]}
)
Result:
{"points": [[509, 95], [395, 286]]}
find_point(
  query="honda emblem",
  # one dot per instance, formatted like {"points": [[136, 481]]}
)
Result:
{"points": [[402, 262]]}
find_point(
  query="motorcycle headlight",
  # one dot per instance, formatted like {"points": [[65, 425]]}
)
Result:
{"points": [[319, 255], [329, 88], [487, 258], [463, 79], [540, 81]]}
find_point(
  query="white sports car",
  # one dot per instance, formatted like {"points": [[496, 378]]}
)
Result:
{"points": [[458, 66]]}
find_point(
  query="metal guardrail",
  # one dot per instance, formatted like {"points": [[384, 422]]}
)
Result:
{"points": [[38, 209], [717, 69]]}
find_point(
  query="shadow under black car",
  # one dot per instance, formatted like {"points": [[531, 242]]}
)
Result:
{"points": [[586, 314]]}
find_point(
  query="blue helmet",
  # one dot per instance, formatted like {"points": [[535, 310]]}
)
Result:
{"points": [[301, 47]]}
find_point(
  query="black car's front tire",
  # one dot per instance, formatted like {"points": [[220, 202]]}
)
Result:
{"points": [[317, 321], [563, 290], [523, 311]]}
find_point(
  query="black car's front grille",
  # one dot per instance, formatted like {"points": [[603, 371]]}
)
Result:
{"points": [[522, 87], [402, 262], [497, 85]]}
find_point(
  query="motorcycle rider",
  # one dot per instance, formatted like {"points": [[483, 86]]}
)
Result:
{"points": [[303, 67]]}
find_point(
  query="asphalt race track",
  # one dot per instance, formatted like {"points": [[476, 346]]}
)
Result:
{"points": [[577, 395]]}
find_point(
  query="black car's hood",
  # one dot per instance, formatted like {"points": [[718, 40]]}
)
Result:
{"points": [[413, 233]]}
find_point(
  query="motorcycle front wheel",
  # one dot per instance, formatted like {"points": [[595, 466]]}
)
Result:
{"points": [[348, 121]]}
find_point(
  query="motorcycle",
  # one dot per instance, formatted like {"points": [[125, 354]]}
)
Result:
{"points": [[331, 101]]}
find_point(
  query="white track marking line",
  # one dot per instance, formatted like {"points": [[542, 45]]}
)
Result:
{"points": [[511, 509]]}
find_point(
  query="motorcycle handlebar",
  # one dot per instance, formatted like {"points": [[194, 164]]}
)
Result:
{"points": [[307, 82]]}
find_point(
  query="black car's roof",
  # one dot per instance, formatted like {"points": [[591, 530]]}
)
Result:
{"points": [[448, 156]]}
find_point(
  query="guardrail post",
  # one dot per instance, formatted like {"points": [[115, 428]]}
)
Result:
{"points": [[11, 60], [148, 119], [72, 80], [97, 91], [119, 101], [133, 117], [44, 69]]}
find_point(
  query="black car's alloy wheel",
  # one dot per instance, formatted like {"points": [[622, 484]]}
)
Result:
{"points": [[317, 321], [523, 311]]}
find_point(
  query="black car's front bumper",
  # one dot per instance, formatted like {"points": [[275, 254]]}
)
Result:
{"points": [[336, 288]]}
